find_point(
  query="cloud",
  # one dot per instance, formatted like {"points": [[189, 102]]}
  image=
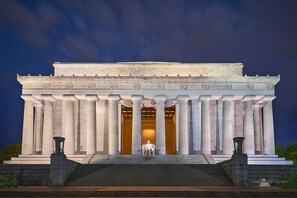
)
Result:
{"points": [[33, 27]]}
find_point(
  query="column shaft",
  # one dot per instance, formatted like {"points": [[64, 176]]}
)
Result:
{"points": [[38, 127], [177, 132], [228, 126], [113, 125], [248, 129], [183, 125], [258, 128], [27, 139], [136, 125], [205, 126], [48, 128], [196, 122], [160, 126], [91, 130], [269, 144], [68, 114]]}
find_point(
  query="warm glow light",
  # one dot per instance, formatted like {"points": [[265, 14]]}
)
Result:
{"points": [[148, 134]]}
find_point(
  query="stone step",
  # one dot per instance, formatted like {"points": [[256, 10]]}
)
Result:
{"points": [[39, 159], [148, 175], [258, 159]]}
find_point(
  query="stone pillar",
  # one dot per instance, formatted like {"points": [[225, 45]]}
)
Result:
{"points": [[120, 126], [177, 127], [48, 126], [38, 126], [258, 128], [220, 127], [91, 126], [205, 124], [269, 144], [27, 139], [136, 125], [248, 128], [160, 125], [196, 109], [113, 141], [228, 124], [183, 125], [68, 126]]}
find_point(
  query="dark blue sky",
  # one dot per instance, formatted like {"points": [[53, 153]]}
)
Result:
{"points": [[260, 34]]}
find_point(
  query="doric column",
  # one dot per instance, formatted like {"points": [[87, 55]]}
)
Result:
{"points": [[136, 125], [38, 122], [120, 126], [48, 126], [160, 125], [228, 124], [177, 127], [205, 124], [27, 139], [113, 101], [248, 127], [183, 125], [258, 127], [68, 125], [269, 144], [196, 122], [91, 126]]}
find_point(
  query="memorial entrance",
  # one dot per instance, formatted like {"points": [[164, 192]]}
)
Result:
{"points": [[148, 123]]}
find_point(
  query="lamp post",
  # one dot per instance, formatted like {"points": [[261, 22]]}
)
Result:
{"points": [[238, 143], [59, 145]]}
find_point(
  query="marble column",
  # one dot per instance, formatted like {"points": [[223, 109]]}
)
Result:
{"points": [[269, 144], [91, 126], [48, 126], [205, 124], [228, 124], [183, 124], [38, 127], [196, 122], [28, 138], [68, 125], [113, 140], [177, 127], [120, 126], [136, 125], [160, 125], [258, 127], [248, 128]]}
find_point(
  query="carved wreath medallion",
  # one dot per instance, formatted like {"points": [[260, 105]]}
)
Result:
{"points": [[136, 86], [250, 86], [205, 86]]}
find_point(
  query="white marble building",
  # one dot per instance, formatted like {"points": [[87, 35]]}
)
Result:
{"points": [[87, 104]]}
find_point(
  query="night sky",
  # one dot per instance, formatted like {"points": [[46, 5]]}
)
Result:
{"points": [[260, 34]]}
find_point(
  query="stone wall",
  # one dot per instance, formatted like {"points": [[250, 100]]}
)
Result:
{"points": [[272, 173], [27, 174]]}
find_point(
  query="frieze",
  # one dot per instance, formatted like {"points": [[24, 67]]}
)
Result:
{"points": [[250, 86], [136, 86]]}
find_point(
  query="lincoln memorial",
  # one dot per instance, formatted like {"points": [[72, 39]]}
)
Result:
{"points": [[116, 108]]}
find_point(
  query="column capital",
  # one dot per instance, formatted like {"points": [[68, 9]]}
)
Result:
{"points": [[136, 97], [248, 98], [205, 98], [114, 97], [182, 98], [47, 97], [160, 97], [92, 97], [267, 98], [227, 98], [69, 97], [28, 97]]}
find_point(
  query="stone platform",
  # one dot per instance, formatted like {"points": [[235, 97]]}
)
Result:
{"points": [[146, 191], [152, 159]]}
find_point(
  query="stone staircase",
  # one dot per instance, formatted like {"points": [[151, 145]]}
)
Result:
{"points": [[148, 175], [152, 159], [257, 159], [40, 159]]}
